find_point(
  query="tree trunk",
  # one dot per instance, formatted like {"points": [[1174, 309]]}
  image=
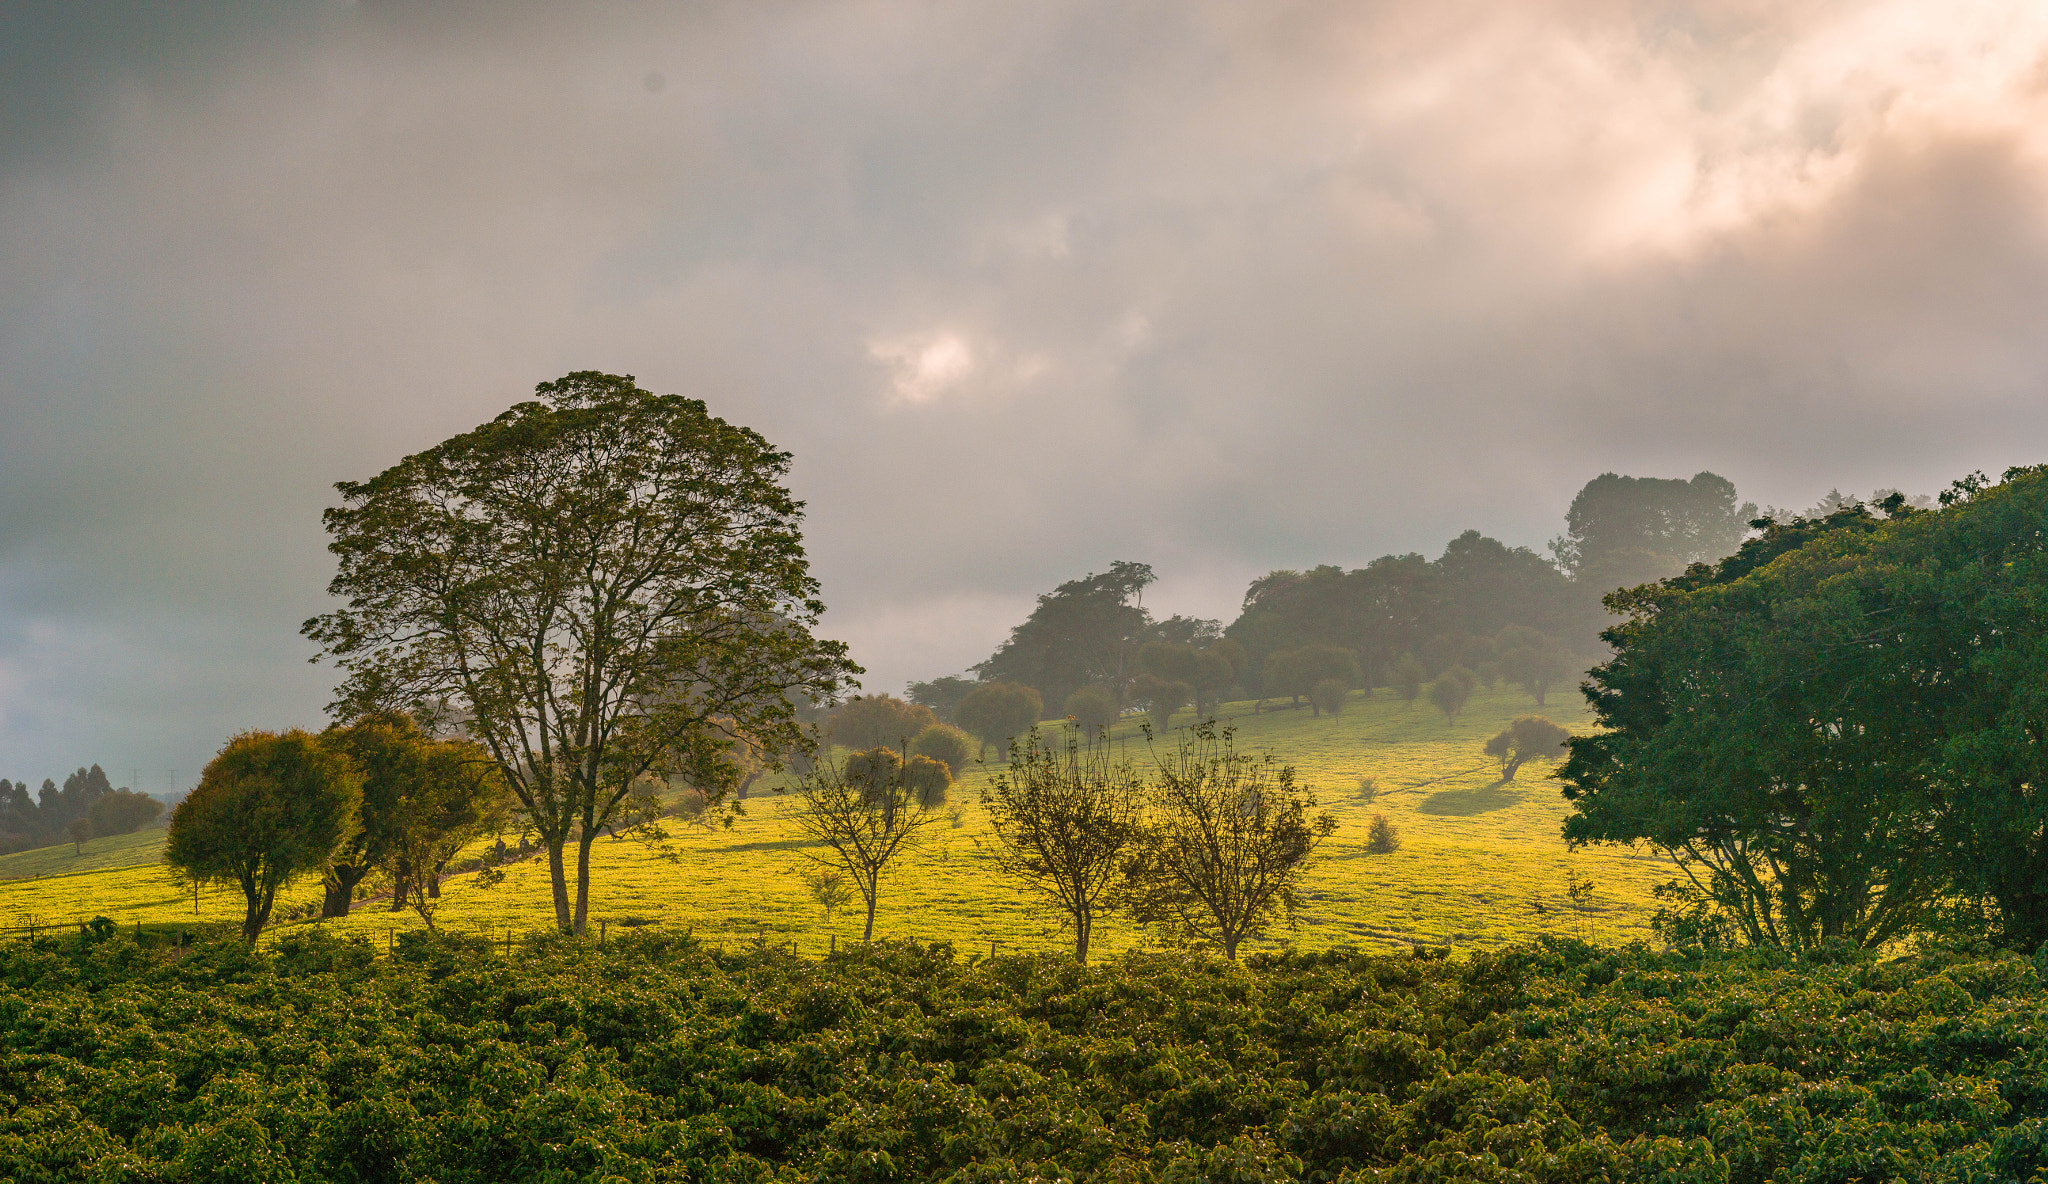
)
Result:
{"points": [[1084, 920], [558, 882], [338, 890], [401, 884], [258, 914], [583, 843], [868, 934]]}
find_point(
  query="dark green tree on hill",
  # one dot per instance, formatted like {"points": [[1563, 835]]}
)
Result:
{"points": [[996, 711], [1208, 670], [1402, 603], [123, 812], [1835, 731], [1531, 660], [1161, 697], [1083, 631], [272, 806], [1529, 737], [1296, 673], [1624, 531], [1093, 710], [1451, 690], [941, 695], [1406, 677]]}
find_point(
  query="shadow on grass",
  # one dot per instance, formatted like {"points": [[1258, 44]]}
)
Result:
{"points": [[771, 845], [1477, 800]]}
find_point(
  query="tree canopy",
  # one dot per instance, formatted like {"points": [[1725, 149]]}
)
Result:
{"points": [[996, 711], [870, 721], [1083, 631], [602, 582], [1405, 604], [1835, 730], [1623, 531], [270, 807]]}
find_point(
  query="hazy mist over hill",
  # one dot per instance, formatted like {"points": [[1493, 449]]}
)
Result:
{"points": [[1026, 288]]}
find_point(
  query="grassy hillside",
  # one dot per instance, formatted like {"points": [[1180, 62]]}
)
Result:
{"points": [[98, 855], [1481, 863]]}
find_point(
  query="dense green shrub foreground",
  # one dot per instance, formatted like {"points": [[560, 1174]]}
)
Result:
{"points": [[313, 1061]]}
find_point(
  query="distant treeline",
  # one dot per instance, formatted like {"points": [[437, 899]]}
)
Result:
{"points": [[87, 805], [1483, 605]]}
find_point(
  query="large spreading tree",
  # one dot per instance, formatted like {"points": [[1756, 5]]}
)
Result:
{"points": [[1837, 731], [600, 583]]}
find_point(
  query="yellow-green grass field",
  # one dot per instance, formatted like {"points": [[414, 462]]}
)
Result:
{"points": [[1481, 863]]}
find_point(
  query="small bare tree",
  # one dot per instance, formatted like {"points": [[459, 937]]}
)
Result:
{"points": [[1227, 843], [867, 817], [1067, 815]]}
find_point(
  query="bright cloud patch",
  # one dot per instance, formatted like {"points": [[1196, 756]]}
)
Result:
{"points": [[923, 368]]}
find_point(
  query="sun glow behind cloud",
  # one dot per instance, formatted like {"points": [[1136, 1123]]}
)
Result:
{"points": [[924, 366]]}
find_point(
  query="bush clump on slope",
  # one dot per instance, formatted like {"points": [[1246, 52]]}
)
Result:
{"points": [[659, 1060]]}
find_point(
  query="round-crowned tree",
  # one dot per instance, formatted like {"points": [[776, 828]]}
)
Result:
{"points": [[1094, 709], [123, 812], [1406, 676], [996, 711], [873, 770], [270, 807], [1451, 691], [945, 743], [926, 781], [1327, 696], [877, 721], [1530, 737]]}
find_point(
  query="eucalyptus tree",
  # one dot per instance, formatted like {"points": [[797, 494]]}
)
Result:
{"points": [[602, 582]]}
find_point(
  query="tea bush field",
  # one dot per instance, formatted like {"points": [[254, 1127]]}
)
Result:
{"points": [[1481, 864], [657, 1060]]}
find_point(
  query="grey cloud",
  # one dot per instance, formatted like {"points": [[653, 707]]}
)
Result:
{"points": [[1025, 288]]}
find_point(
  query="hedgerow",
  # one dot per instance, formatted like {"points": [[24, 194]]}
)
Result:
{"points": [[660, 1060]]}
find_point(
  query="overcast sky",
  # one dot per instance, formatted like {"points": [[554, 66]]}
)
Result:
{"points": [[1027, 288]]}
